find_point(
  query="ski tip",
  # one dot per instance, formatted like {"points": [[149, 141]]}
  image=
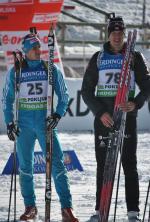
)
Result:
{"points": [[51, 36], [51, 29], [33, 30]]}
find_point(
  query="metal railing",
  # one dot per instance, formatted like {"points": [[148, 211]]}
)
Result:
{"points": [[102, 27]]}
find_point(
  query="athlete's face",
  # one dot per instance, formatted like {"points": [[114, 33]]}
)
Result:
{"points": [[34, 53], [116, 40]]}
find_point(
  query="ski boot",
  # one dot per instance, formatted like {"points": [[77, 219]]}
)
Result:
{"points": [[133, 216], [95, 217], [29, 214], [67, 215]]}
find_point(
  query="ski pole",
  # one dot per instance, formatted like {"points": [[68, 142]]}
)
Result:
{"points": [[146, 203], [14, 181], [117, 189], [17, 64], [13, 174], [17, 73], [10, 196], [149, 214], [13, 178]]}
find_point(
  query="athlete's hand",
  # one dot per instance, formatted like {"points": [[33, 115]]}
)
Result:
{"points": [[53, 120], [12, 131], [107, 120], [127, 106]]}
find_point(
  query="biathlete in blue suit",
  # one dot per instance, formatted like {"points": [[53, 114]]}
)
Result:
{"points": [[32, 110]]}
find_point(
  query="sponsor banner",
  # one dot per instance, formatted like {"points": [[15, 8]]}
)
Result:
{"points": [[13, 41], [20, 15], [20, 2], [45, 18], [71, 162], [16, 17]]}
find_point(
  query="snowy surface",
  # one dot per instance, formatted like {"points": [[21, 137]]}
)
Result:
{"points": [[131, 10], [82, 184]]}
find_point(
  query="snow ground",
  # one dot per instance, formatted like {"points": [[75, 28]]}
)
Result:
{"points": [[82, 183]]}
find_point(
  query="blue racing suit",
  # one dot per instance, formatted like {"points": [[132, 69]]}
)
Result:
{"points": [[32, 110]]}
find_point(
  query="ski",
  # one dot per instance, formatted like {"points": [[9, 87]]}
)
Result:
{"points": [[17, 69], [49, 132], [116, 136]]}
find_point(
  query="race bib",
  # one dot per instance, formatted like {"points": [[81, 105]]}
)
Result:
{"points": [[33, 93]]}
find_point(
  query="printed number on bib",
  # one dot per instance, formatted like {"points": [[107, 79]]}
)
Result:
{"points": [[112, 77], [35, 88]]}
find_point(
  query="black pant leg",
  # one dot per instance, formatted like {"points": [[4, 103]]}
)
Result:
{"points": [[129, 162]]}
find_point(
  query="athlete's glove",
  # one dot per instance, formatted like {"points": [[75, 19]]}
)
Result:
{"points": [[12, 131], [53, 120]]}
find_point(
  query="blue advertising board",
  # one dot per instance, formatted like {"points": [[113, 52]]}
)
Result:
{"points": [[71, 162]]}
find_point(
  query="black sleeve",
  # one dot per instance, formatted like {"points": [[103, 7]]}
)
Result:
{"points": [[142, 79], [89, 84]]}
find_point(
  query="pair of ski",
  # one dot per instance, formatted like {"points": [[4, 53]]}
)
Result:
{"points": [[116, 135]]}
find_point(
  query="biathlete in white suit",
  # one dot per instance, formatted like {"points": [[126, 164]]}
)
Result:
{"points": [[32, 110]]}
